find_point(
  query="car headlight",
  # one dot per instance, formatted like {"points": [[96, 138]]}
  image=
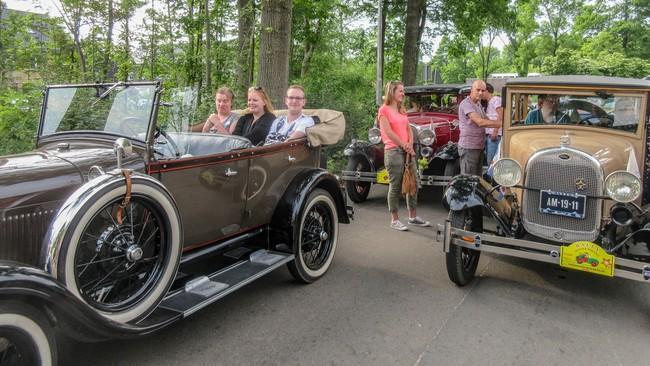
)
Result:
{"points": [[622, 186], [507, 172], [374, 136], [427, 137]]}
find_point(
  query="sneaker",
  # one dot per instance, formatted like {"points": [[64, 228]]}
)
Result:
{"points": [[417, 221], [397, 225]]}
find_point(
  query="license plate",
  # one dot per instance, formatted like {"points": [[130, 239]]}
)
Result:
{"points": [[563, 204], [587, 257], [382, 176]]}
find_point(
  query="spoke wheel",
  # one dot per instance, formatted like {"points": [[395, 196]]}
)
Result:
{"points": [[116, 264], [122, 269], [358, 191], [315, 241], [26, 338], [461, 261]]}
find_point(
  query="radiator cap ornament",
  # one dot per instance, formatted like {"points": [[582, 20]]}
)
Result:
{"points": [[565, 140]]}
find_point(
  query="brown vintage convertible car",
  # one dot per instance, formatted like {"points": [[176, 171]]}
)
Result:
{"points": [[120, 223]]}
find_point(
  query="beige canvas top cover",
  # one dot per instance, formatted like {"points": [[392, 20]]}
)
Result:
{"points": [[329, 131]]}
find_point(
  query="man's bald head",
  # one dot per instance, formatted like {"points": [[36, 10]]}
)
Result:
{"points": [[478, 88]]}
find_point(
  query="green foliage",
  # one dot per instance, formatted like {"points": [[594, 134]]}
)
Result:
{"points": [[19, 111], [193, 44]]}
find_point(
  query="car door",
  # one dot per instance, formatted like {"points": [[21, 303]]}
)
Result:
{"points": [[210, 193], [272, 168]]}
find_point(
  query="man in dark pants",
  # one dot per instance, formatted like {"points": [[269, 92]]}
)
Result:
{"points": [[473, 122]]}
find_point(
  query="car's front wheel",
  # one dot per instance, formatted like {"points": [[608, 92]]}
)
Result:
{"points": [[122, 268], [461, 261], [26, 337], [358, 191], [316, 237]]}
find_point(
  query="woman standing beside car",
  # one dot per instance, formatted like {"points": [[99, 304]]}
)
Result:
{"points": [[397, 137]]}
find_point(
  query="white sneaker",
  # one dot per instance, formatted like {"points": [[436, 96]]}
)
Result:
{"points": [[397, 225], [417, 221]]}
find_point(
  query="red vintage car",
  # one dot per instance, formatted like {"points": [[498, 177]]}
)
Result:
{"points": [[433, 115]]}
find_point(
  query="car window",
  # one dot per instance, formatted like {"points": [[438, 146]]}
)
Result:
{"points": [[445, 103], [601, 110]]}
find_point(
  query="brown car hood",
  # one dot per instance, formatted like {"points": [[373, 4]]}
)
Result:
{"points": [[610, 149], [40, 180]]}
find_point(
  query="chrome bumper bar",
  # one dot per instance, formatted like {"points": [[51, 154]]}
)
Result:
{"points": [[359, 176], [434, 180], [541, 252], [425, 180]]}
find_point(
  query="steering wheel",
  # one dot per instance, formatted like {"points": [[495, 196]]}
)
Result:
{"points": [[127, 123], [168, 139]]}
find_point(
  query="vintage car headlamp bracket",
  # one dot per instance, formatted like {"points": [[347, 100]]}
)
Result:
{"points": [[622, 186], [507, 172], [374, 136]]}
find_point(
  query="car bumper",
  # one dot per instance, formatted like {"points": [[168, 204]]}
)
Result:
{"points": [[380, 178], [541, 252]]}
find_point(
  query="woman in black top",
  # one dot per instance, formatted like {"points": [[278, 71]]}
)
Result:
{"points": [[256, 123]]}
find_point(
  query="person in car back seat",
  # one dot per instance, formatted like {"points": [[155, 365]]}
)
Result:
{"points": [[224, 120], [547, 111], [255, 124], [293, 125]]}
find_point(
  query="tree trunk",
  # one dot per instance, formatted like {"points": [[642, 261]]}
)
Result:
{"points": [[310, 45], [415, 18], [246, 43], [275, 42], [208, 48]]}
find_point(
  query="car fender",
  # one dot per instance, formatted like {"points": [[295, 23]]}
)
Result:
{"points": [[464, 191], [447, 152], [372, 153], [61, 222], [287, 213], [467, 191], [36, 288]]}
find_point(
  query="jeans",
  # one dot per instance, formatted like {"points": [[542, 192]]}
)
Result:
{"points": [[491, 148], [394, 161]]}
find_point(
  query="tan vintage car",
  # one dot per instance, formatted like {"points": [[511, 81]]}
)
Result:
{"points": [[571, 184]]}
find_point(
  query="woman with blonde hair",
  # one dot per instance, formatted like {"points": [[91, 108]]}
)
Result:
{"points": [[255, 124], [398, 146], [224, 120]]}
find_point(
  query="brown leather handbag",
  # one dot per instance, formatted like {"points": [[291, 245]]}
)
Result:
{"points": [[409, 178]]}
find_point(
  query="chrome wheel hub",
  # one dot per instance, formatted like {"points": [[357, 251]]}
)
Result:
{"points": [[133, 253]]}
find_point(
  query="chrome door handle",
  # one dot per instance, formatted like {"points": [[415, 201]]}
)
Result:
{"points": [[291, 159], [230, 173]]}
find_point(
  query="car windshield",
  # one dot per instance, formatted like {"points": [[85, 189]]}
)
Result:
{"points": [[439, 102], [118, 109], [602, 109]]}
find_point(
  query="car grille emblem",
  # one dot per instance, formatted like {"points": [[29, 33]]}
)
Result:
{"points": [[581, 185]]}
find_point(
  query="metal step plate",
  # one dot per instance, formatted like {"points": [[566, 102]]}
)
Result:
{"points": [[205, 290]]}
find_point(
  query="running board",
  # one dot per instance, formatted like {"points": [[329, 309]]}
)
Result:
{"points": [[204, 290]]}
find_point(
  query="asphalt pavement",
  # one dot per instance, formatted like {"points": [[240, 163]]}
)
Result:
{"points": [[387, 300]]}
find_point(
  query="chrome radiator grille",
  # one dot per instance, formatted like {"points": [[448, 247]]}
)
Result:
{"points": [[21, 236], [557, 170]]}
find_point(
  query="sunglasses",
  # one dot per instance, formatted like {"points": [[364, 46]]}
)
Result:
{"points": [[256, 88]]}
